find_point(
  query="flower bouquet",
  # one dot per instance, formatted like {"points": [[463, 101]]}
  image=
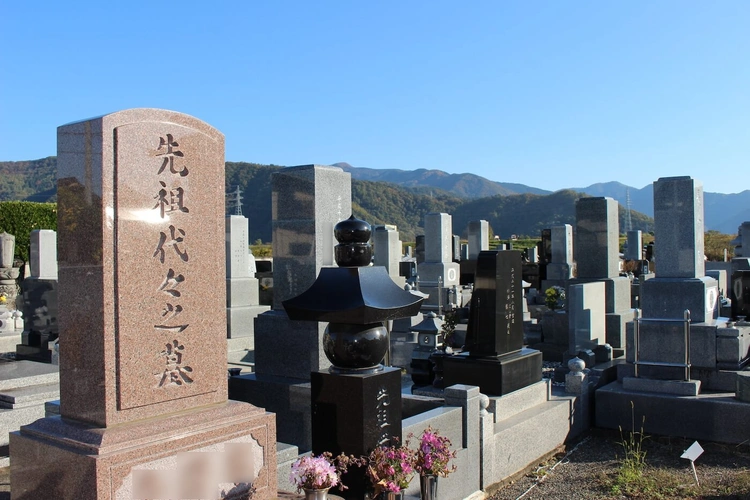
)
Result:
{"points": [[433, 454], [554, 297], [391, 468], [321, 472]]}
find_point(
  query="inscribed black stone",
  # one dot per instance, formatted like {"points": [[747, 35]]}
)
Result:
{"points": [[741, 294], [354, 414], [496, 313]]}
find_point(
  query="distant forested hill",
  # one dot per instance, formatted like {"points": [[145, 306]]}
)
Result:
{"points": [[34, 180], [376, 202], [528, 214]]}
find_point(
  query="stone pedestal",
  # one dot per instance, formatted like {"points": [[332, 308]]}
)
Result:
{"points": [[668, 298], [430, 273], [555, 333], [494, 375], [206, 450], [355, 414]]}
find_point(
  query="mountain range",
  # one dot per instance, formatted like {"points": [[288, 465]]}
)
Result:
{"points": [[722, 212], [402, 197]]}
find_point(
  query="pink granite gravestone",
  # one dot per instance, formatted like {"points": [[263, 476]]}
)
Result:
{"points": [[143, 377]]}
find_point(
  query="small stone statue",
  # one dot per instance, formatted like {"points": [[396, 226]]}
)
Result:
{"points": [[8, 273]]}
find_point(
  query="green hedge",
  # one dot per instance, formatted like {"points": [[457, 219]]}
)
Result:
{"points": [[19, 218]]}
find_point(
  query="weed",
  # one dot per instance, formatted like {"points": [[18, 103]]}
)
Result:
{"points": [[632, 465]]}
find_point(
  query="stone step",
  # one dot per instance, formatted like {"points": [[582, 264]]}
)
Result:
{"points": [[12, 420], [8, 341], [241, 357], [505, 407], [519, 441], [29, 395], [27, 373]]}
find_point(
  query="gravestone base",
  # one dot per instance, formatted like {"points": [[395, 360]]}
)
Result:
{"points": [[554, 333], [288, 398], [448, 272], [25, 387], [495, 375], [34, 346], [711, 380], [676, 387], [241, 320], [33, 353], [242, 292], [279, 339], [664, 342], [616, 326], [743, 387], [64, 459], [557, 273], [709, 417], [616, 290], [667, 298], [354, 414], [732, 347]]}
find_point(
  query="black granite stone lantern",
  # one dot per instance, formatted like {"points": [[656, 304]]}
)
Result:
{"points": [[356, 404], [356, 299]]}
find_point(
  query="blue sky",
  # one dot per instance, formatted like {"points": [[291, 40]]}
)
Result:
{"points": [[552, 94]]}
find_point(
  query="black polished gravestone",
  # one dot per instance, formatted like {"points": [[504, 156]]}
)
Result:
{"points": [[741, 294], [495, 358]]}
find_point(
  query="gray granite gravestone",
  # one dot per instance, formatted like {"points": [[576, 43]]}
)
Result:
{"points": [[586, 317], [438, 265], [680, 281], [634, 249], [243, 295], [478, 237], [597, 259], [387, 244], [307, 202], [560, 267]]}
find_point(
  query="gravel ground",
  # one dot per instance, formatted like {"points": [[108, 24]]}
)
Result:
{"points": [[587, 470]]}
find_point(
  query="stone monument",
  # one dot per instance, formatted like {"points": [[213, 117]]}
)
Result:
{"points": [[143, 404], [495, 358], [560, 266], [307, 202], [243, 293], [597, 260], [355, 403], [438, 273], [388, 251], [478, 233], [40, 299], [681, 282], [634, 248]]}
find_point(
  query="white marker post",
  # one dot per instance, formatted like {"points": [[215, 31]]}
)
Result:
{"points": [[692, 454]]}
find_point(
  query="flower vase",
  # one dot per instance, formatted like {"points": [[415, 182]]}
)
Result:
{"points": [[428, 486], [321, 494], [391, 495]]}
